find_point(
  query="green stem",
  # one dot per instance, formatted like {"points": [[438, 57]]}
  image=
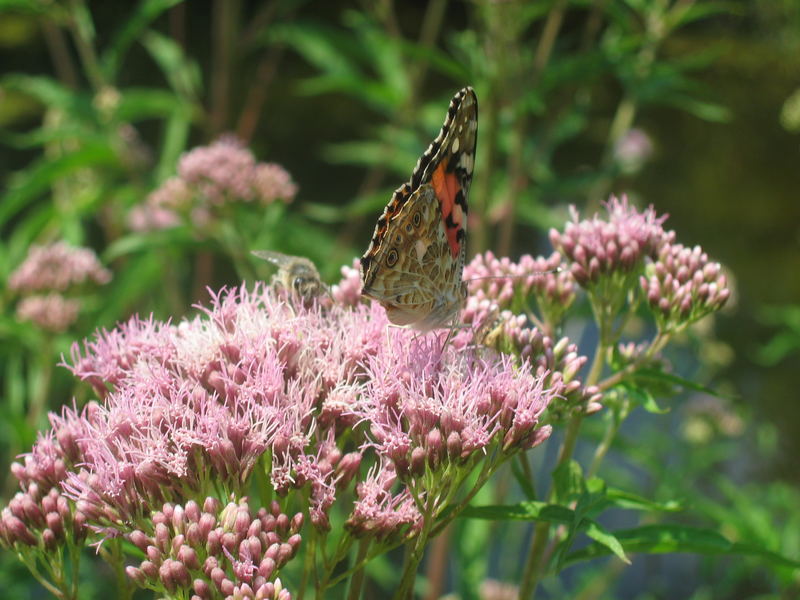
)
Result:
{"points": [[308, 566], [86, 50], [534, 565], [42, 388], [357, 580]]}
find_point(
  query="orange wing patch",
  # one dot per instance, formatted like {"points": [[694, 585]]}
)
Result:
{"points": [[445, 184]]}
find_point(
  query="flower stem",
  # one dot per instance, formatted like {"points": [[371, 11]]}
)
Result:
{"points": [[533, 566], [357, 580]]}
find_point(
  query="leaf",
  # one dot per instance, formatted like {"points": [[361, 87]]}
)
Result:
{"points": [[50, 93], [36, 179], [602, 536], [658, 375], [143, 103], [522, 479], [551, 513], [182, 73], [145, 13], [524, 511], [672, 538], [176, 136], [629, 500], [568, 480]]}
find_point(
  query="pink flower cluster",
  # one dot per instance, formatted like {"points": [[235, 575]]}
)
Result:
{"points": [[57, 268], [189, 410], [44, 278], [597, 247], [216, 551], [209, 177], [508, 284], [682, 285]]}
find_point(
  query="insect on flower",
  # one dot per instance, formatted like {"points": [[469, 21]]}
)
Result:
{"points": [[296, 274]]}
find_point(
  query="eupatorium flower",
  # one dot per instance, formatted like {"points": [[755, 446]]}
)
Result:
{"points": [[208, 177], [682, 285], [216, 550], [57, 268], [52, 312], [507, 284], [597, 247]]}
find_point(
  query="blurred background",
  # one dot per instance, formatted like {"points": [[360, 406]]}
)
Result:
{"points": [[691, 106]]}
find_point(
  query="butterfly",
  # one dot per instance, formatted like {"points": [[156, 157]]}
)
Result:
{"points": [[414, 262], [296, 275]]}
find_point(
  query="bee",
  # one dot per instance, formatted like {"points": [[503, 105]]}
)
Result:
{"points": [[296, 275]]}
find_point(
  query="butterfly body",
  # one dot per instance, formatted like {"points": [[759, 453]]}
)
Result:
{"points": [[415, 260]]}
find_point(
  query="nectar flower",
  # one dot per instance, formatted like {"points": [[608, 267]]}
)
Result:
{"points": [[231, 549], [209, 177], [509, 284], [596, 247], [57, 268], [683, 286], [53, 312]]}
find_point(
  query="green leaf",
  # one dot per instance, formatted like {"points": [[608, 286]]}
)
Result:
{"points": [[551, 513], [672, 538], [35, 180], [145, 13], [524, 511], [623, 499], [50, 93], [523, 481], [182, 73], [568, 480], [603, 537], [144, 103], [658, 375], [176, 136]]}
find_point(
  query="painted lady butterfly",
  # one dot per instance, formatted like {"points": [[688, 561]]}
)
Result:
{"points": [[414, 263]]}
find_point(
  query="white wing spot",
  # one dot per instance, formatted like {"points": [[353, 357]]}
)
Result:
{"points": [[455, 145]]}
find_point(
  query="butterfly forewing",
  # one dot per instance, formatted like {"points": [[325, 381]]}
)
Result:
{"points": [[416, 256]]}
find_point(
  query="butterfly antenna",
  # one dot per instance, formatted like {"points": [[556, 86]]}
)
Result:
{"points": [[533, 274]]}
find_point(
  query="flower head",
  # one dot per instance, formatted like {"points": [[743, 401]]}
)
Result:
{"points": [[209, 177], [52, 312], [682, 286], [598, 247], [57, 268]]}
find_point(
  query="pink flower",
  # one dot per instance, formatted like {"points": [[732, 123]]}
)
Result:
{"points": [[221, 170], [683, 286], [52, 312], [57, 267], [596, 247], [272, 182], [348, 290]]}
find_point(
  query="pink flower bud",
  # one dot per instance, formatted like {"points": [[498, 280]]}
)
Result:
{"points": [[266, 592], [149, 569], [138, 577], [201, 588], [266, 568]]}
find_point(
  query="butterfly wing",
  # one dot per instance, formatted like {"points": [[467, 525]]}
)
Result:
{"points": [[416, 256]]}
